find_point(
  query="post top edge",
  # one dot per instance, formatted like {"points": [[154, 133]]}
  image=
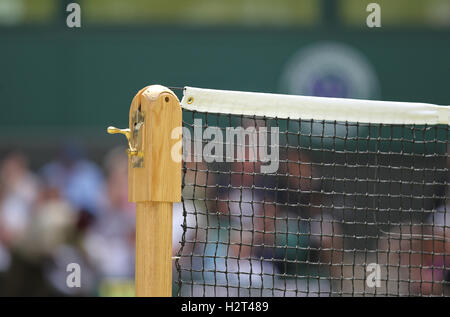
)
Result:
{"points": [[153, 91]]}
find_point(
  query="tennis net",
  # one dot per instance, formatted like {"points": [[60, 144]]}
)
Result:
{"points": [[306, 196]]}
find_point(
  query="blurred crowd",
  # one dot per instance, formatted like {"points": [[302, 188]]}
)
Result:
{"points": [[71, 210], [242, 234]]}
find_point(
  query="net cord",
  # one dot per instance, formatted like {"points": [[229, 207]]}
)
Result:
{"points": [[312, 108]]}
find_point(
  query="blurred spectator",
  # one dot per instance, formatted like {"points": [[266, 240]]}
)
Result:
{"points": [[79, 180], [419, 257], [109, 243], [32, 224], [51, 229], [308, 235], [18, 192], [50, 224]]}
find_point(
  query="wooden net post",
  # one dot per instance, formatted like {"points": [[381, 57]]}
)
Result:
{"points": [[154, 180]]}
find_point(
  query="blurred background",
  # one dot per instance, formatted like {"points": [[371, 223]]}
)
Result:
{"points": [[63, 180]]}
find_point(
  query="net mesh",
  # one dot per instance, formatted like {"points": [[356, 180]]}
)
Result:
{"points": [[352, 209]]}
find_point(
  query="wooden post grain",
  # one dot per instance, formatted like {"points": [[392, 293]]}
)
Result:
{"points": [[154, 186]]}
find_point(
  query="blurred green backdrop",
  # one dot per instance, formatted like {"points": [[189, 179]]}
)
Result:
{"points": [[58, 83]]}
